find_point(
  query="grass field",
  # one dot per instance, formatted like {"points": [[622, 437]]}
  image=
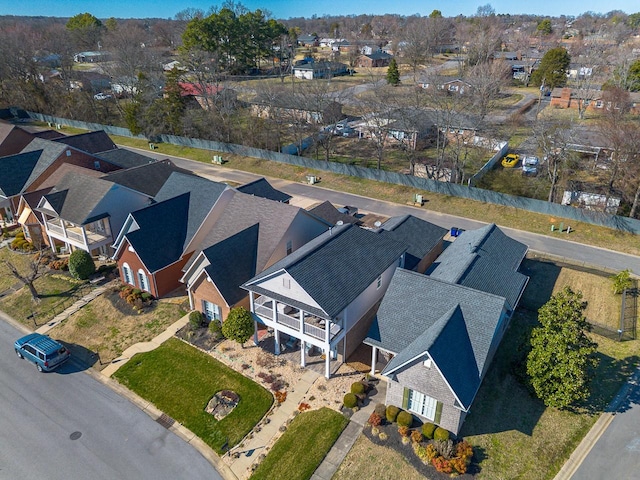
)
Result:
{"points": [[180, 380], [297, 454]]}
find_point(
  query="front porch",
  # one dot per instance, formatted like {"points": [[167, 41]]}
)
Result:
{"points": [[76, 236]]}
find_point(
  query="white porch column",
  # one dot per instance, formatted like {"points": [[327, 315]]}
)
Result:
{"points": [[52, 243], [327, 364], [86, 240], [374, 356], [255, 332], [190, 293], [303, 350], [301, 313], [276, 336]]}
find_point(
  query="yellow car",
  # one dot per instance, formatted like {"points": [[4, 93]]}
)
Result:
{"points": [[510, 160]]}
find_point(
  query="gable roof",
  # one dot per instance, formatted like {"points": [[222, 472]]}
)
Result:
{"points": [[421, 236], [334, 268], [328, 212], [453, 323], [148, 178], [65, 168], [243, 211], [159, 243], [484, 259], [262, 188], [75, 198], [204, 194], [90, 142], [125, 158], [378, 55], [12, 139], [49, 152], [232, 262], [15, 171]]}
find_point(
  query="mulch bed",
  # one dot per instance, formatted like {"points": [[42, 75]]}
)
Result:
{"points": [[201, 337], [394, 441]]}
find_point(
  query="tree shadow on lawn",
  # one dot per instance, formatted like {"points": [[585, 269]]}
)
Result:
{"points": [[542, 278], [611, 379]]}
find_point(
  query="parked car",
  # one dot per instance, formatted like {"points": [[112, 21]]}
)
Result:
{"points": [[530, 165], [510, 160], [46, 353], [102, 96]]}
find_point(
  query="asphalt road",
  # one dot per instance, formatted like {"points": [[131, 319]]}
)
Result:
{"points": [[616, 454], [66, 425], [558, 245]]}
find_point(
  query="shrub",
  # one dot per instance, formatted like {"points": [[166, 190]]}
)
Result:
{"points": [[383, 436], [428, 429], [381, 410], [60, 264], [442, 465], [146, 296], [421, 452], [81, 264], [350, 400], [215, 328], [196, 319], [238, 326], [280, 396], [392, 413], [404, 418], [357, 388], [464, 450], [403, 431], [459, 465], [446, 448], [375, 420], [621, 281], [441, 434], [416, 436], [375, 431], [304, 406], [431, 452]]}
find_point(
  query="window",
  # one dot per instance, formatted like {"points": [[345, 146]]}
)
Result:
{"points": [[127, 274], [289, 247], [379, 282], [211, 310], [286, 282], [96, 165], [142, 280], [422, 404]]}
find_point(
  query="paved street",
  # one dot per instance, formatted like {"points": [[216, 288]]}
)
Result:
{"points": [[616, 454], [66, 425], [559, 245]]}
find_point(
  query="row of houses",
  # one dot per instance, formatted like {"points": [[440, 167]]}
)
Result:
{"points": [[431, 310]]}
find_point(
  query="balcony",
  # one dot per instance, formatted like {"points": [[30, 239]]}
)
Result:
{"points": [[74, 235], [313, 326]]}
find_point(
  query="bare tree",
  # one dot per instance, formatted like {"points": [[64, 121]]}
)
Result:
{"points": [[34, 270], [587, 59], [486, 80], [553, 137]]}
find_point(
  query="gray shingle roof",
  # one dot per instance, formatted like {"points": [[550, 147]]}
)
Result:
{"points": [[76, 196], [204, 194], [242, 212], [332, 215], [262, 188], [159, 242], [15, 170], [50, 151], [464, 322], [148, 178], [233, 262], [484, 259], [421, 236], [90, 142], [335, 267], [125, 158]]}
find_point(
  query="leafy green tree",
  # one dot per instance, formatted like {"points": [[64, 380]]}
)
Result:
{"points": [[238, 326], [81, 264], [545, 27], [561, 362], [85, 30], [393, 74], [621, 282], [435, 14], [553, 68], [633, 77], [633, 20]]}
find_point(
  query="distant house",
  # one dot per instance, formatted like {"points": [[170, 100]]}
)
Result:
{"points": [[297, 108], [374, 59], [207, 94], [594, 100], [324, 293], [92, 57], [308, 40], [453, 85], [311, 70], [435, 335]]}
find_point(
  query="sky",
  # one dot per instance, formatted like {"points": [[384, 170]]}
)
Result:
{"points": [[284, 9]]}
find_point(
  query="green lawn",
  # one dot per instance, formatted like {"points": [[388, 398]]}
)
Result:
{"points": [[297, 454], [180, 380]]}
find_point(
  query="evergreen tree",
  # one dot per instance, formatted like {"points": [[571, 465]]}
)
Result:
{"points": [[393, 74], [553, 68], [562, 359], [238, 326]]}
